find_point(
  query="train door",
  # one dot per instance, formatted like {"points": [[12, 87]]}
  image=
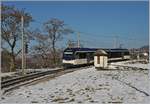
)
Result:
{"points": [[76, 55], [122, 55], [88, 58]]}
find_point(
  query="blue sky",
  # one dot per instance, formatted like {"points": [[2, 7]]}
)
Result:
{"points": [[99, 22]]}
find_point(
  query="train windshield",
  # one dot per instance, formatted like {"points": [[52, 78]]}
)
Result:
{"points": [[68, 55]]}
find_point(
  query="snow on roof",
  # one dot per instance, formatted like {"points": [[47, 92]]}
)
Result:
{"points": [[100, 52]]}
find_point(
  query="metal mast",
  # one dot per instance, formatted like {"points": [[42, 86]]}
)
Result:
{"points": [[115, 41], [23, 48], [78, 39]]}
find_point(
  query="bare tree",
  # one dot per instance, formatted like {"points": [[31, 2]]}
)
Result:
{"points": [[56, 29], [11, 31], [41, 49]]}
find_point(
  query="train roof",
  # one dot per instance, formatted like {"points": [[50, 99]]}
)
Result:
{"points": [[80, 49], [94, 49]]}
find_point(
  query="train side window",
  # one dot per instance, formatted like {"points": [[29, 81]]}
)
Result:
{"points": [[91, 56], [126, 53], [82, 55], [109, 54], [77, 55]]}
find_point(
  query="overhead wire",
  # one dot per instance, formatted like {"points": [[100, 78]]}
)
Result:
{"points": [[98, 38]]}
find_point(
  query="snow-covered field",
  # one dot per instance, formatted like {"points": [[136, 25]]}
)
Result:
{"points": [[7, 74], [136, 64], [87, 86]]}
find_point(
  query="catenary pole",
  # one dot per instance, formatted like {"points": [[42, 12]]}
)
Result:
{"points": [[23, 53], [115, 41], [78, 39]]}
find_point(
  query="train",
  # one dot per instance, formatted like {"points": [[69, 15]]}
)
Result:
{"points": [[85, 56]]}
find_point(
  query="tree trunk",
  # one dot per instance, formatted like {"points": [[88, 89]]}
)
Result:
{"points": [[54, 53], [13, 62]]}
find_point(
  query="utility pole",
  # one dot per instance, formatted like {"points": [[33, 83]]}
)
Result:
{"points": [[115, 41], [121, 46], [23, 48], [78, 39]]}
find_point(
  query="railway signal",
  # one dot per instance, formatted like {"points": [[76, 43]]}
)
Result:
{"points": [[26, 48]]}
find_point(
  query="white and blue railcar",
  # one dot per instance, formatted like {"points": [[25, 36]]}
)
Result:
{"points": [[83, 56], [117, 54], [78, 56]]}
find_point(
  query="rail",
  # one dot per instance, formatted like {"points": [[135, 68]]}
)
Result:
{"points": [[10, 84]]}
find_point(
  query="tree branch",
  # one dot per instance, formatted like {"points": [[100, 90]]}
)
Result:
{"points": [[18, 52]]}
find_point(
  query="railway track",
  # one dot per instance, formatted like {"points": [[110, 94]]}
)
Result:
{"points": [[10, 84], [13, 83]]}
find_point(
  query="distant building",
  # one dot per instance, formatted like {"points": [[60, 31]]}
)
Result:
{"points": [[140, 53]]}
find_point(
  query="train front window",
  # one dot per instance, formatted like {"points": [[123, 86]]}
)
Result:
{"points": [[68, 55], [126, 53]]}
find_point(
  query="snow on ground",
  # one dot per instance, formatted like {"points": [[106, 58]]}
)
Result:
{"points": [[7, 74], [87, 86], [144, 66], [138, 65]]}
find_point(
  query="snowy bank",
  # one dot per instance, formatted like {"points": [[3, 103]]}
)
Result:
{"points": [[137, 65], [86, 86]]}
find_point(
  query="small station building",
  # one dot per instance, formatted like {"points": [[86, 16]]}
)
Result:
{"points": [[100, 59]]}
